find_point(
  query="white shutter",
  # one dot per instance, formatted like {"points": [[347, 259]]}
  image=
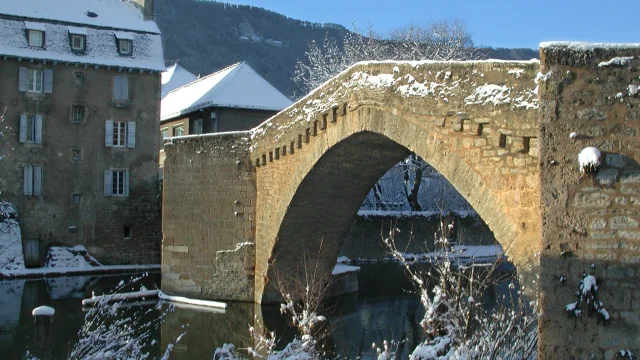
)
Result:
{"points": [[116, 87], [108, 133], [37, 181], [28, 180], [131, 134], [124, 91], [108, 182], [22, 79], [48, 81], [38, 129], [23, 128], [126, 183]]}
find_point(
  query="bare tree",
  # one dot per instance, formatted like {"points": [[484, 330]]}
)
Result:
{"points": [[443, 40]]}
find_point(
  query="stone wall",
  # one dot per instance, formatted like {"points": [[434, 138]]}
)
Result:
{"points": [[97, 221], [591, 219], [208, 215]]}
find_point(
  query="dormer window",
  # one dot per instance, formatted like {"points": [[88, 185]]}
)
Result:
{"points": [[35, 33], [78, 39], [124, 42], [77, 42], [124, 47]]}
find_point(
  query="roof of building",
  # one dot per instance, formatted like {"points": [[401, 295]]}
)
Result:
{"points": [[115, 14], [100, 46], [174, 77], [237, 86]]}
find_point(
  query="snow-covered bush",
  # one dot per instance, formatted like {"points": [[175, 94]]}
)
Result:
{"points": [[624, 355], [589, 160], [11, 255], [455, 324], [112, 331]]}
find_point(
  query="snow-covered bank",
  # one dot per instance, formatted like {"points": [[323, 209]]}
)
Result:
{"points": [[66, 271], [409, 213], [459, 255]]}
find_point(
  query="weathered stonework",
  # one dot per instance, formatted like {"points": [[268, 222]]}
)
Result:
{"points": [[595, 218], [208, 217]]}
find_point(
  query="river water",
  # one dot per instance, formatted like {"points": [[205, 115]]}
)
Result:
{"points": [[384, 309]]}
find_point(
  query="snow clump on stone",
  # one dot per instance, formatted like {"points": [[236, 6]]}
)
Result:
{"points": [[589, 159]]}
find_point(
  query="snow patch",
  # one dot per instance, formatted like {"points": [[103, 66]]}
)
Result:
{"points": [[344, 269], [589, 158], [617, 61], [43, 311], [489, 94]]}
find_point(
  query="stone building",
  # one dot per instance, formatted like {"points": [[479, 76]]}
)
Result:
{"points": [[232, 99], [80, 94]]}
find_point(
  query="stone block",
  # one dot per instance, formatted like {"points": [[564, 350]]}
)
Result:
{"points": [[622, 222]]}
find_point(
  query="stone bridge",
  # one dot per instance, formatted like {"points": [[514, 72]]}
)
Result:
{"points": [[242, 209]]}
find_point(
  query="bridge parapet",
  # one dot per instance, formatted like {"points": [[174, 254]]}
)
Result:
{"points": [[477, 97]]}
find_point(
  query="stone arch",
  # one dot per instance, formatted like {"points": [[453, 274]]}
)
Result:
{"points": [[485, 152]]}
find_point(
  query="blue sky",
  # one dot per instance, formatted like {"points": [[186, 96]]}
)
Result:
{"points": [[497, 23]]}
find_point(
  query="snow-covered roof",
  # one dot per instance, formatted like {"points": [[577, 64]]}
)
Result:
{"points": [[237, 86], [30, 25], [77, 30], [115, 14], [174, 77], [101, 47], [123, 35]]}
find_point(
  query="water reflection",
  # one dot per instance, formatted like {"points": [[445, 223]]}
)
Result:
{"points": [[385, 309]]}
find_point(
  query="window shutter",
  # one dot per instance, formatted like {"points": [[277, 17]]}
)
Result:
{"points": [[28, 180], [37, 181], [131, 134], [126, 183], [117, 87], [22, 79], [108, 133], [124, 91], [23, 129], [108, 182], [38, 129], [48, 81]]}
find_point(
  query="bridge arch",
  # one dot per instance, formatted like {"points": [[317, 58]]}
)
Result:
{"points": [[317, 160]]}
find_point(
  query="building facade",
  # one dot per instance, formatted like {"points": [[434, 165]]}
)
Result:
{"points": [[80, 94]]}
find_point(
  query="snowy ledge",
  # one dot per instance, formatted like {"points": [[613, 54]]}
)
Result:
{"points": [[169, 140], [577, 45], [70, 271], [409, 213]]}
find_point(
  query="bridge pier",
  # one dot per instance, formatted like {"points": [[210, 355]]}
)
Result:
{"points": [[589, 222], [208, 217]]}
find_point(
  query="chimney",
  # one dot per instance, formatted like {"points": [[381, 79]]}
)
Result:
{"points": [[146, 8]]}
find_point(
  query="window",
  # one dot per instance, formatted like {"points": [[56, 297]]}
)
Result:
{"points": [[121, 88], [214, 121], [124, 46], [79, 78], [178, 130], [127, 232], [196, 127], [116, 182], [33, 180], [77, 42], [36, 38], [34, 80], [120, 134], [30, 129], [164, 132], [76, 154], [77, 114], [76, 199]]}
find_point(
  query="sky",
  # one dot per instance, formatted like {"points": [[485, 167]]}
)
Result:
{"points": [[497, 23]]}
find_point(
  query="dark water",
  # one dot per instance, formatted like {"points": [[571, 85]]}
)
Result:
{"points": [[384, 309]]}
